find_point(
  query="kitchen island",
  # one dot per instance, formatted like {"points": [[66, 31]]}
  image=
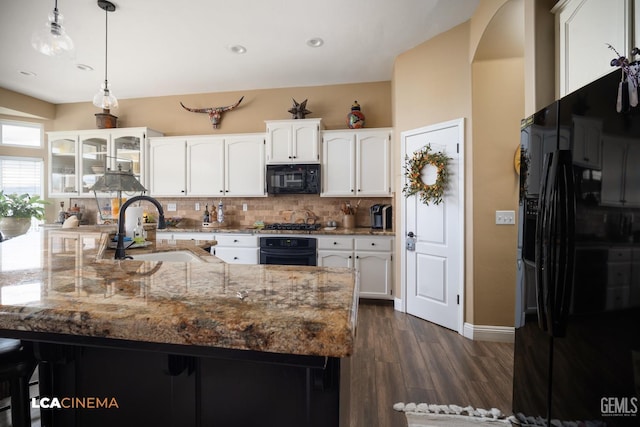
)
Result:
{"points": [[178, 343]]}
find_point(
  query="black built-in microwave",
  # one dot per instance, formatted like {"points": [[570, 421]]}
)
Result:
{"points": [[293, 179]]}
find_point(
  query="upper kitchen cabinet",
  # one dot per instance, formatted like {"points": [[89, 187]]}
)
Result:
{"points": [[78, 158], [293, 141], [583, 30], [356, 163], [211, 166]]}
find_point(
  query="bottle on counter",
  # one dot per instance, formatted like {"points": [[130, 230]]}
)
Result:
{"points": [[61, 215], [138, 232], [207, 215], [220, 212]]}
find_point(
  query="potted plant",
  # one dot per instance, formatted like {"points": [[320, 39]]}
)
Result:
{"points": [[16, 211]]}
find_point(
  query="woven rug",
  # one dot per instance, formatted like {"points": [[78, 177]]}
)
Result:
{"points": [[431, 415]]}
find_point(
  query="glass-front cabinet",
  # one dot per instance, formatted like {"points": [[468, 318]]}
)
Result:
{"points": [[79, 158], [63, 164]]}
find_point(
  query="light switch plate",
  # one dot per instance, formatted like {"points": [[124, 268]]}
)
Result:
{"points": [[505, 217], [244, 207], [197, 207], [172, 207]]}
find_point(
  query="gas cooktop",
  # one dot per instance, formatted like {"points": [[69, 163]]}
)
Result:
{"points": [[292, 226]]}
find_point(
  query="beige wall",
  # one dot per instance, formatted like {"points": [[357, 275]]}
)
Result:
{"points": [[498, 106], [432, 84], [437, 82], [331, 103]]}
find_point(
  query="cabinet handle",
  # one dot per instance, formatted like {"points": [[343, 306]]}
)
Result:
{"points": [[235, 257], [222, 191], [352, 190], [226, 191], [349, 256], [335, 243], [182, 191], [373, 244], [235, 241]]}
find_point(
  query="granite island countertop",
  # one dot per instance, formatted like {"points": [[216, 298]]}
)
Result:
{"points": [[65, 282]]}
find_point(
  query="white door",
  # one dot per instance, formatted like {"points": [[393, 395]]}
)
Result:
{"points": [[433, 272]]}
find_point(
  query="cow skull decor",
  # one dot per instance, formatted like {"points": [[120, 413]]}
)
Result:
{"points": [[215, 113]]}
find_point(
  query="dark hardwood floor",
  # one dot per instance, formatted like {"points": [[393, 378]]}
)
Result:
{"points": [[400, 358]]}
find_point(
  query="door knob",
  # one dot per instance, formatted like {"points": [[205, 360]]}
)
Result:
{"points": [[410, 234]]}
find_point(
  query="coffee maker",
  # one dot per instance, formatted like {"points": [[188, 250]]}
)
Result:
{"points": [[381, 218]]}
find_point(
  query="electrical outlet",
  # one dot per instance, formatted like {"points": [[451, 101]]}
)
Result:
{"points": [[197, 207], [244, 207], [505, 217], [172, 207]]}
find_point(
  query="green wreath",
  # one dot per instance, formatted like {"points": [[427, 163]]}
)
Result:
{"points": [[413, 171]]}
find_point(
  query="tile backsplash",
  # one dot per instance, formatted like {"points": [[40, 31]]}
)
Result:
{"points": [[285, 208]]}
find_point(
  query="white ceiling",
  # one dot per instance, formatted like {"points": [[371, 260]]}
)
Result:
{"points": [[162, 47]]}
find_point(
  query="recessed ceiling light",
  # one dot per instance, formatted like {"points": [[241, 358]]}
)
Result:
{"points": [[315, 42], [27, 73], [239, 49], [84, 67]]}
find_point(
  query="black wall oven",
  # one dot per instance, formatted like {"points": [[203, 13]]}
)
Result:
{"points": [[281, 250]]}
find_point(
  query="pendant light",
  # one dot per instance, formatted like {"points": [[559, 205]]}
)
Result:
{"points": [[52, 39], [104, 98]]}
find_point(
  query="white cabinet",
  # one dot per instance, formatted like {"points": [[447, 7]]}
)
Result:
{"points": [[235, 248], [587, 144], [223, 165], [293, 141], [583, 28], [335, 252], [371, 257], [78, 158], [356, 163], [619, 183], [184, 235]]}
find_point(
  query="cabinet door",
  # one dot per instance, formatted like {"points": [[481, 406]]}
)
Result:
{"points": [[94, 159], [581, 26], [245, 166], [613, 156], [128, 152], [63, 159], [168, 167], [338, 164], [373, 164], [305, 142], [375, 274], [586, 142], [335, 259], [279, 142], [205, 167]]}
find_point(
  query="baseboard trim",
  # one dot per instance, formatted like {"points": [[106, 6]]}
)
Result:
{"points": [[489, 333], [398, 305]]}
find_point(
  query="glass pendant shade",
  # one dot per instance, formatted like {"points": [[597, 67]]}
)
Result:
{"points": [[104, 98], [52, 39]]}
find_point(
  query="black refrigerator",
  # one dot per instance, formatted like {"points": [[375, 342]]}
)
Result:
{"points": [[577, 338]]}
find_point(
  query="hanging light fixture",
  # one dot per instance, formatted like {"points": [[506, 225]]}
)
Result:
{"points": [[52, 39], [104, 98]]}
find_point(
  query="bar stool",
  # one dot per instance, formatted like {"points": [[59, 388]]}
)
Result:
{"points": [[16, 366]]}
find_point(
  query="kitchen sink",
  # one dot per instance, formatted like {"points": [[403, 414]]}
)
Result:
{"points": [[170, 256]]}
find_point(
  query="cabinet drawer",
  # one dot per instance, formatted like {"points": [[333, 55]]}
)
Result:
{"points": [[335, 243], [235, 240], [237, 255], [374, 244], [619, 254]]}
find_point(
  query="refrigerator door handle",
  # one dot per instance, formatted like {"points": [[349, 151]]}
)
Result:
{"points": [[542, 224], [564, 244]]}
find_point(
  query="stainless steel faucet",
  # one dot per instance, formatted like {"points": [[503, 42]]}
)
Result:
{"points": [[121, 232]]}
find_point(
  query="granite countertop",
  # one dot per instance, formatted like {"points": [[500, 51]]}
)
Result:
{"points": [[65, 281]]}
